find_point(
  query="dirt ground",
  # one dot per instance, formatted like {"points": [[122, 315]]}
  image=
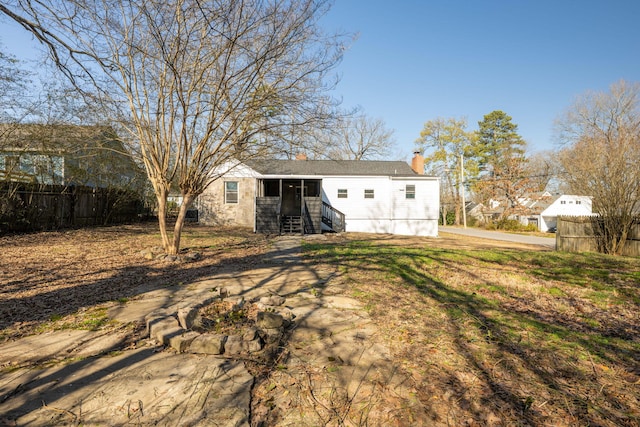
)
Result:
{"points": [[46, 276], [462, 374]]}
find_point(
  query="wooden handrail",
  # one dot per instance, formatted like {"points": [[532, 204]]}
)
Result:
{"points": [[333, 217]]}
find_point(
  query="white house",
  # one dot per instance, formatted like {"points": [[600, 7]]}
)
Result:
{"points": [[309, 196], [561, 205], [542, 209]]}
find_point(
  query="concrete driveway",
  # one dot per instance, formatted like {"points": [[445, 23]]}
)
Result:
{"points": [[549, 242]]}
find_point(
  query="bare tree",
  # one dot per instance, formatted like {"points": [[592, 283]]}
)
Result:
{"points": [[446, 142], [361, 138], [349, 135], [542, 169], [601, 133], [197, 85], [14, 81]]}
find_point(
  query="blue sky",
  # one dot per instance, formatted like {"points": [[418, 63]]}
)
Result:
{"points": [[415, 61]]}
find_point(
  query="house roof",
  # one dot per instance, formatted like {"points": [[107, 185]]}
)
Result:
{"points": [[36, 137], [332, 167]]}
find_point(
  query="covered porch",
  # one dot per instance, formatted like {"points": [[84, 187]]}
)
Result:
{"points": [[294, 206]]}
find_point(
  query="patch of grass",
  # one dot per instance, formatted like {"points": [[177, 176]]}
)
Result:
{"points": [[55, 317], [356, 293], [601, 298], [555, 291], [593, 323], [91, 319], [537, 326]]}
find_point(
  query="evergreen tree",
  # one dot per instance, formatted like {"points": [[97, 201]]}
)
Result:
{"points": [[500, 153]]}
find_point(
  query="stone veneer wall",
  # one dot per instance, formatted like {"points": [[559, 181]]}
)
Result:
{"points": [[212, 209]]}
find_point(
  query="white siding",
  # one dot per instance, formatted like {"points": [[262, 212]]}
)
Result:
{"points": [[418, 216], [565, 205], [569, 205], [389, 211]]}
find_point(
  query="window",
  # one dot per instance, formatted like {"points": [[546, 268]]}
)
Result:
{"points": [[368, 194], [231, 192], [410, 191], [563, 202], [342, 193], [12, 163], [578, 202]]}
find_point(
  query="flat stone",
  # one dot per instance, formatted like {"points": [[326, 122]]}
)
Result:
{"points": [[150, 386], [187, 317], [233, 345], [37, 348], [165, 329], [273, 300], [208, 344], [152, 320], [269, 320], [137, 310], [140, 387], [181, 342]]}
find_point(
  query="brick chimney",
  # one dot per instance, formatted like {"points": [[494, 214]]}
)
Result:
{"points": [[301, 156], [417, 163]]}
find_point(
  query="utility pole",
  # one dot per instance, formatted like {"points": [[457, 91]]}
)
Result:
{"points": [[464, 207]]}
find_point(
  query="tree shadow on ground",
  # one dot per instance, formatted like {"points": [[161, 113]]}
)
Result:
{"points": [[520, 359], [28, 301], [249, 273]]}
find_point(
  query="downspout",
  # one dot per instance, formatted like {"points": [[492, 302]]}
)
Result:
{"points": [[256, 187], [279, 214], [302, 206]]}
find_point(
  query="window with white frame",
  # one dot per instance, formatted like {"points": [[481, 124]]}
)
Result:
{"points": [[410, 191], [342, 193], [368, 194], [231, 192]]}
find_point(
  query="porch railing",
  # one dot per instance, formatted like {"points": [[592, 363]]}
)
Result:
{"points": [[332, 217]]}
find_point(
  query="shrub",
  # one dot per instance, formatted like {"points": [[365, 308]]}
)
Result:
{"points": [[511, 225]]}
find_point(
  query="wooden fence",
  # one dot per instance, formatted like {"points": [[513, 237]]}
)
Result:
{"points": [[577, 234], [33, 207]]}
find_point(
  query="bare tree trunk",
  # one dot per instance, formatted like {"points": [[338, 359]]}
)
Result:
{"points": [[161, 196], [187, 200]]}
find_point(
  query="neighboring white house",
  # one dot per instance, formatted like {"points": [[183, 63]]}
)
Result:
{"points": [[541, 209], [545, 208], [310, 196], [563, 205]]}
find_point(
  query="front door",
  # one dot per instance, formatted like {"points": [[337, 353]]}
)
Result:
{"points": [[291, 198]]}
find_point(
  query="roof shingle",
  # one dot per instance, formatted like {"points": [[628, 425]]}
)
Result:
{"points": [[332, 167]]}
